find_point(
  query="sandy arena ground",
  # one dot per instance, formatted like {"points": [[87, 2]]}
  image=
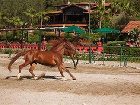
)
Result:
{"points": [[95, 85]]}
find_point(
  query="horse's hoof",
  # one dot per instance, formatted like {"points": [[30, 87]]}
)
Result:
{"points": [[64, 79], [36, 78], [74, 78], [7, 77], [18, 76]]}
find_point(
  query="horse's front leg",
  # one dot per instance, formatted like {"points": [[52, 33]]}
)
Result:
{"points": [[62, 66], [31, 69], [73, 62], [77, 60], [60, 70]]}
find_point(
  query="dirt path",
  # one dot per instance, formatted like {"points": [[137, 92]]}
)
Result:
{"points": [[95, 85]]}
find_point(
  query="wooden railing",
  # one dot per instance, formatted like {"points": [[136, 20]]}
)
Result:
{"points": [[81, 49]]}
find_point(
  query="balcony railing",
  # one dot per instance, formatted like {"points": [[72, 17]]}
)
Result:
{"points": [[68, 22]]}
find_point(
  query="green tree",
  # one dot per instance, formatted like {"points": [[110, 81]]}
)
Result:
{"points": [[31, 14], [101, 16], [15, 9], [122, 12], [41, 16], [14, 21]]}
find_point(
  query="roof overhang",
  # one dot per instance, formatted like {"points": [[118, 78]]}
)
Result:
{"points": [[130, 26], [65, 25]]}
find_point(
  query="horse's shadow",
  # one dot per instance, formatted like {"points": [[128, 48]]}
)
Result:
{"points": [[40, 77]]}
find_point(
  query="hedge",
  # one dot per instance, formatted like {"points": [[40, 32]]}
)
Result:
{"points": [[128, 51]]}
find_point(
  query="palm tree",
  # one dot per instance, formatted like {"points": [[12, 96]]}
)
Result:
{"points": [[31, 14], [41, 16]]}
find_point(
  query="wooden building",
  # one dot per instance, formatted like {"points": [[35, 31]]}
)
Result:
{"points": [[72, 14]]}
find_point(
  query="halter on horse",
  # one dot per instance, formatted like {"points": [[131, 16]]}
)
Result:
{"points": [[47, 58]]}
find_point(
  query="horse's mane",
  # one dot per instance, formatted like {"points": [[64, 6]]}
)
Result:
{"points": [[55, 44]]}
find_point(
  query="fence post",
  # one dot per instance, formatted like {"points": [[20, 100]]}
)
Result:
{"points": [[40, 34], [10, 52], [120, 56], [125, 59], [125, 62], [93, 57], [89, 53], [22, 39], [103, 57]]}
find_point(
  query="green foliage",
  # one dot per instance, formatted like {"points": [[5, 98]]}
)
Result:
{"points": [[11, 36], [116, 43], [19, 12], [91, 36], [134, 34], [95, 36], [14, 10], [14, 21], [8, 51], [127, 51], [7, 36], [36, 37], [68, 36], [119, 14], [134, 59]]}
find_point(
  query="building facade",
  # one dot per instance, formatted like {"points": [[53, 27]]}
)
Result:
{"points": [[72, 14]]}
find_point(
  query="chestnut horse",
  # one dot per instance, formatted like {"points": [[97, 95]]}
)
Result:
{"points": [[48, 58], [68, 52]]}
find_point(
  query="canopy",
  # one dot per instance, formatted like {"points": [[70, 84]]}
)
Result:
{"points": [[106, 30], [73, 29]]}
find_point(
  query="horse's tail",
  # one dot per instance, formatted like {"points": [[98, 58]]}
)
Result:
{"points": [[15, 58]]}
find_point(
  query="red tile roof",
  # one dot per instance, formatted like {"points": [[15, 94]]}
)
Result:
{"points": [[130, 26]]}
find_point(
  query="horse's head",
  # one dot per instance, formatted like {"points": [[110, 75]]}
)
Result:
{"points": [[53, 42], [67, 46]]}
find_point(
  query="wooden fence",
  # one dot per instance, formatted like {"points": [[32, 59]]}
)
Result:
{"points": [[81, 49]]}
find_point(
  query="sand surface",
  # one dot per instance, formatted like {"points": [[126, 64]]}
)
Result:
{"points": [[95, 85]]}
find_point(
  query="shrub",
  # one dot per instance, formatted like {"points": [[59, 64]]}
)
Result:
{"points": [[116, 43], [129, 53], [6, 51]]}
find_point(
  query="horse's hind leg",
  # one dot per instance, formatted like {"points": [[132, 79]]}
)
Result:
{"points": [[33, 65], [75, 63], [60, 70], [20, 68]]}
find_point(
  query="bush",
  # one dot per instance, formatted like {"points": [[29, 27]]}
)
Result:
{"points": [[36, 37], [6, 51], [116, 43], [130, 53], [68, 36]]}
